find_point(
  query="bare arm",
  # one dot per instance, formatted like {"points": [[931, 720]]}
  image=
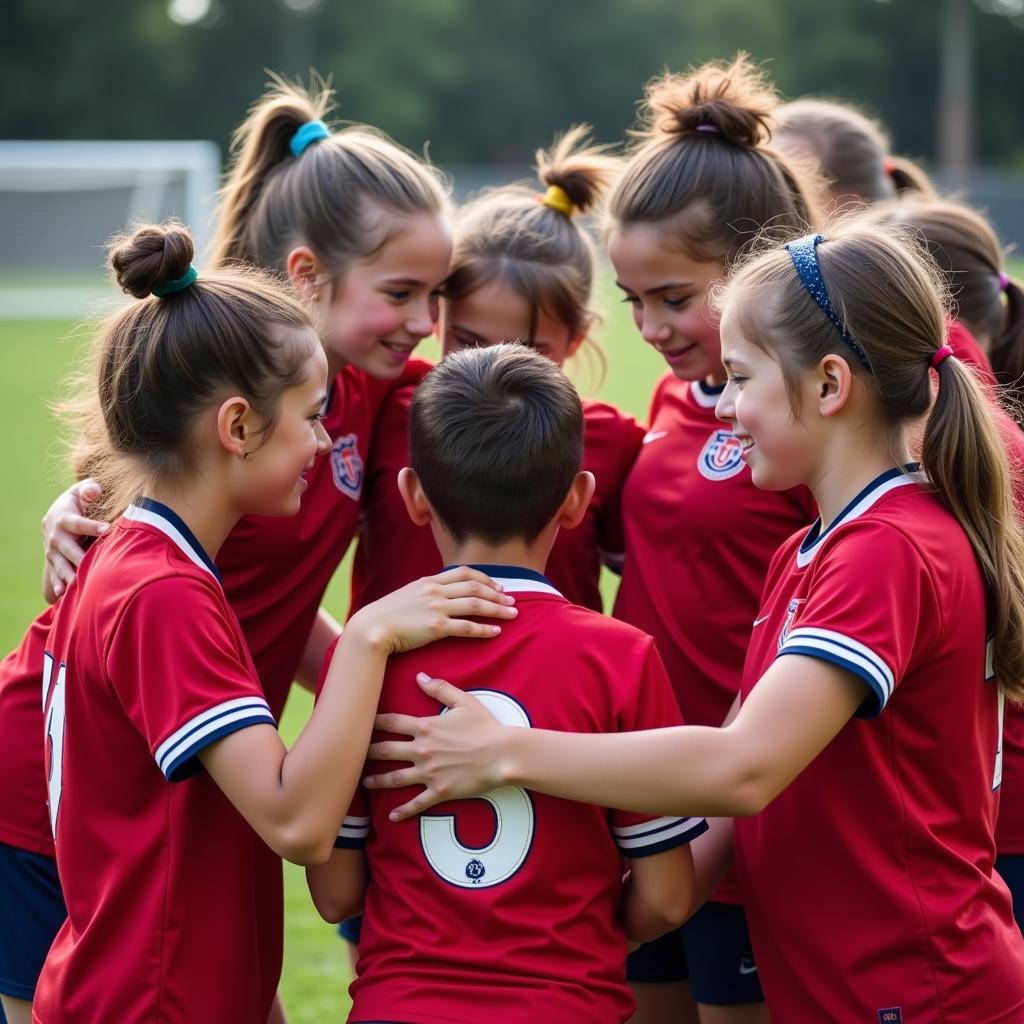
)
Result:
{"points": [[795, 710], [324, 632], [658, 894], [296, 799], [339, 886]]}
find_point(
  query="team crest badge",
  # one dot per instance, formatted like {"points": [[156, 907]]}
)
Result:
{"points": [[721, 457], [347, 466], [787, 626], [475, 870]]}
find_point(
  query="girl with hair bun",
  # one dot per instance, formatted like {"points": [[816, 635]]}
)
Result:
{"points": [[701, 186], [522, 269], [851, 150], [862, 761], [169, 787], [359, 227]]}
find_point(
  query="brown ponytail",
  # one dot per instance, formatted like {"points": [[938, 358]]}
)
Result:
{"points": [[900, 327], [701, 168], [967, 251], [539, 250], [329, 198]]}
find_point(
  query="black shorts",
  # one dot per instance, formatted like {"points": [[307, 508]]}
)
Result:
{"points": [[712, 950], [31, 913], [1011, 869]]}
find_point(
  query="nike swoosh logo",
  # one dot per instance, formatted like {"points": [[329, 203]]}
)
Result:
{"points": [[653, 435], [746, 967], [757, 622]]}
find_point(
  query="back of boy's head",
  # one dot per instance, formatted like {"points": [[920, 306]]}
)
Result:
{"points": [[496, 439]]}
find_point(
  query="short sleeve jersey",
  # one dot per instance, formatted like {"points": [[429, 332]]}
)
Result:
{"points": [[869, 880], [510, 901], [276, 569], [24, 820], [145, 667], [699, 537], [392, 550]]}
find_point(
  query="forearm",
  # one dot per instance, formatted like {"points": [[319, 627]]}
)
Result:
{"points": [[321, 636], [705, 771], [321, 771]]}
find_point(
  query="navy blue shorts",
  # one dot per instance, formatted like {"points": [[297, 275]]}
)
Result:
{"points": [[1011, 868], [712, 950], [31, 913], [351, 929]]}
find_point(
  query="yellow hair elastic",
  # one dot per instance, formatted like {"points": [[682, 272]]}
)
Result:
{"points": [[558, 199]]}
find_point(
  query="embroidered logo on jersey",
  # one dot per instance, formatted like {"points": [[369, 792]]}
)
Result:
{"points": [[347, 466], [787, 626], [475, 870], [890, 1015], [721, 457]]}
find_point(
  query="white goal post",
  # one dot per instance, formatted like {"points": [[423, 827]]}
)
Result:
{"points": [[61, 201]]}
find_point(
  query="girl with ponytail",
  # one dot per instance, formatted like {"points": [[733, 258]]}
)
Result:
{"points": [[888, 636], [701, 185], [522, 270]]}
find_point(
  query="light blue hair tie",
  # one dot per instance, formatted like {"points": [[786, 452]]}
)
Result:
{"points": [[311, 131], [804, 254], [179, 284]]}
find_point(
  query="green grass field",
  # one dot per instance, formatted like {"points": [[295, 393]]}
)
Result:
{"points": [[39, 354]]}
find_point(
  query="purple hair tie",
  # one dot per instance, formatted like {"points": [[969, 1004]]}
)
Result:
{"points": [[708, 128], [1004, 281]]}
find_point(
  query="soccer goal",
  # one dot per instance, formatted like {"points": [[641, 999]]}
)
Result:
{"points": [[61, 201]]}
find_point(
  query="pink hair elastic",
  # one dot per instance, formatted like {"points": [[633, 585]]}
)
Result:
{"points": [[1004, 280], [708, 128], [940, 355]]}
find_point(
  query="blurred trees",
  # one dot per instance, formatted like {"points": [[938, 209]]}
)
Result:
{"points": [[481, 81]]}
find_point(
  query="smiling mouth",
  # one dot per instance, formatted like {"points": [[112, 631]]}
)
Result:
{"points": [[746, 443], [402, 350], [677, 353]]}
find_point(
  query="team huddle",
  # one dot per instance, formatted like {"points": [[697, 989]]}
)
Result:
{"points": [[779, 779]]}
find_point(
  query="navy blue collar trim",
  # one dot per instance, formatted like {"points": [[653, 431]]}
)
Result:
{"points": [[505, 572], [708, 389], [158, 508], [898, 473]]}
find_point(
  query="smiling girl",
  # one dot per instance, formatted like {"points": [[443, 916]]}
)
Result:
{"points": [[865, 752], [701, 183]]}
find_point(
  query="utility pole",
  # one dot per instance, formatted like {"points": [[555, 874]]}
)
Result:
{"points": [[956, 100]]}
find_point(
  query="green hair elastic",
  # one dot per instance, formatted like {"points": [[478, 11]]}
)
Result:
{"points": [[178, 285]]}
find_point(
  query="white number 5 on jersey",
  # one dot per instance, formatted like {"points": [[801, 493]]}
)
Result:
{"points": [[54, 734], [513, 811]]}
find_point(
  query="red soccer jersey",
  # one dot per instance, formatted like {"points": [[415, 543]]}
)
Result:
{"points": [[392, 551], [147, 666], [520, 918], [699, 537], [24, 821], [276, 569], [869, 881]]}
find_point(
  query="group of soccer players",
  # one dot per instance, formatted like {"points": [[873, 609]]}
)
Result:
{"points": [[822, 504]]}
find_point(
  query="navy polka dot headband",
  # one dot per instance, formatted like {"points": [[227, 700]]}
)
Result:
{"points": [[804, 254]]}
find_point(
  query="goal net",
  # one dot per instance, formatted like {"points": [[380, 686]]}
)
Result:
{"points": [[61, 201]]}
